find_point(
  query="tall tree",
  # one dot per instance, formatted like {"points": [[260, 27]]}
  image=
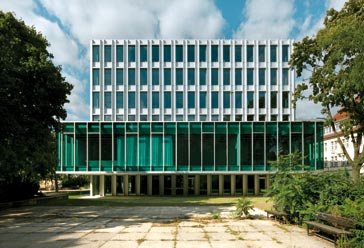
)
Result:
{"points": [[32, 95], [335, 59]]}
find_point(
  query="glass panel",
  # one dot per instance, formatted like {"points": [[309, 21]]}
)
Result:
{"points": [[167, 53], [167, 100], [107, 76], [208, 127], [179, 99], [191, 76], [214, 53], [107, 53], [226, 99], [131, 53], [261, 76], [246, 146], [250, 77], [258, 151], [261, 53], [250, 53], [203, 76], [215, 99], [169, 152], [167, 77], [119, 99], [191, 99], [95, 53], [80, 147], [182, 147], [309, 144], [155, 53], [226, 76], [202, 99], [107, 103], [319, 146], [238, 76], [215, 76], [93, 152], [96, 99], [233, 146], [296, 127], [131, 76], [250, 99], [155, 76], [208, 151], [238, 56], [131, 100], [119, 76], [157, 152], [195, 146], [106, 147], [203, 53], [179, 76], [262, 99], [285, 76], [191, 53], [271, 144], [143, 100], [238, 100], [95, 76], [119, 53], [155, 99], [273, 76], [143, 76], [285, 99], [68, 154], [131, 152], [169, 128], [273, 53], [220, 146], [283, 138], [179, 53], [273, 99], [226, 53], [285, 53]]}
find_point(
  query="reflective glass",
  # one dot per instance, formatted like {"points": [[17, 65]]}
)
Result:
{"points": [[155, 53], [215, 99], [167, 100], [143, 76], [226, 76], [191, 99], [238, 100], [203, 76], [167, 53], [167, 77], [202, 99], [285, 76], [215, 76], [179, 53], [155, 76], [238, 76], [119, 99], [179, 76], [119, 53], [131, 76], [155, 99], [250, 99], [107, 53], [143, 53], [261, 53], [131, 53], [107, 76], [203, 53], [273, 53], [191, 53], [95, 76], [250, 53], [179, 99], [285, 99], [273, 76], [119, 76], [96, 99], [107, 100], [261, 99], [214, 53], [226, 99], [143, 100], [261, 76], [191, 76], [96, 53], [285, 53], [238, 56], [131, 99], [226, 53], [250, 76], [273, 99]]}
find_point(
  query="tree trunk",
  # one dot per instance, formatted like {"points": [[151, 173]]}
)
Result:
{"points": [[356, 172]]}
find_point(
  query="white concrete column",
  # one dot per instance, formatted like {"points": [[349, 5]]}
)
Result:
{"points": [[91, 185], [161, 184], [173, 182], [197, 184], [137, 184], [102, 185], [185, 184], [245, 185], [126, 185], [221, 185], [256, 184], [113, 185], [209, 184], [233, 184], [150, 185]]}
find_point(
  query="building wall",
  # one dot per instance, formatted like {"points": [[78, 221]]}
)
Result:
{"points": [[191, 80]]}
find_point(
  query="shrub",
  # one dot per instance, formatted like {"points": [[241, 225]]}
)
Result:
{"points": [[243, 206], [75, 181]]}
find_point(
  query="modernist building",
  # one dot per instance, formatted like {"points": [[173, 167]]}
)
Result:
{"points": [[199, 117]]}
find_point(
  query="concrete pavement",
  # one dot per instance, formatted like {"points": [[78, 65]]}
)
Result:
{"points": [[161, 227]]}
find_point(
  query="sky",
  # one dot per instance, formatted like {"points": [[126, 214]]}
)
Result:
{"points": [[70, 25]]}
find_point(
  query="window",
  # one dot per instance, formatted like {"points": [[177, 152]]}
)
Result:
{"points": [[226, 76], [155, 118], [273, 76], [119, 53], [273, 99], [273, 53], [238, 117], [238, 76], [226, 53], [261, 53], [155, 53], [214, 53], [179, 99], [226, 99], [119, 76], [191, 54], [214, 118], [261, 99], [203, 75], [285, 99], [285, 76], [179, 53], [250, 77], [167, 117], [119, 99], [107, 100], [238, 100], [96, 53], [143, 53], [107, 55], [261, 76], [215, 76], [249, 53], [155, 76], [250, 99], [215, 99], [191, 99], [167, 53], [202, 99], [143, 76], [250, 118], [131, 76], [143, 118], [96, 99], [179, 117], [167, 77], [238, 57], [107, 76], [131, 118], [131, 99], [285, 118], [226, 118], [203, 53], [131, 53], [143, 99], [155, 99], [96, 77], [285, 53], [261, 117], [179, 76], [203, 118], [273, 117], [167, 100], [191, 76]]}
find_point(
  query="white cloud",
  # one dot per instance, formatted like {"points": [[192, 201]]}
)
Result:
{"points": [[266, 19]]}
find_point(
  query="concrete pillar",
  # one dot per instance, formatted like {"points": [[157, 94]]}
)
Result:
{"points": [[221, 185], [113, 185], [137, 184], [173, 182], [256, 184], [267, 181], [150, 185], [161, 185], [102, 185], [126, 185], [233, 184], [245, 185], [209, 184], [197, 184], [91, 185], [185, 185]]}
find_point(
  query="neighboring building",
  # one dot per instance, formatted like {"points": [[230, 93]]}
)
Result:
{"points": [[199, 117]]}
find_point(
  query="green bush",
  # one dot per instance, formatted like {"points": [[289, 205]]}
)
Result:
{"points": [[75, 181], [243, 206]]}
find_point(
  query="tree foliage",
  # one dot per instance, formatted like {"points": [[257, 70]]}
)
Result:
{"points": [[32, 95], [335, 59]]}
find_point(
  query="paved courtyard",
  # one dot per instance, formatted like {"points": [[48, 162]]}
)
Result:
{"points": [[162, 227]]}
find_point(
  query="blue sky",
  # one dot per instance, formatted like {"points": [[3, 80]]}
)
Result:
{"points": [[70, 25]]}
